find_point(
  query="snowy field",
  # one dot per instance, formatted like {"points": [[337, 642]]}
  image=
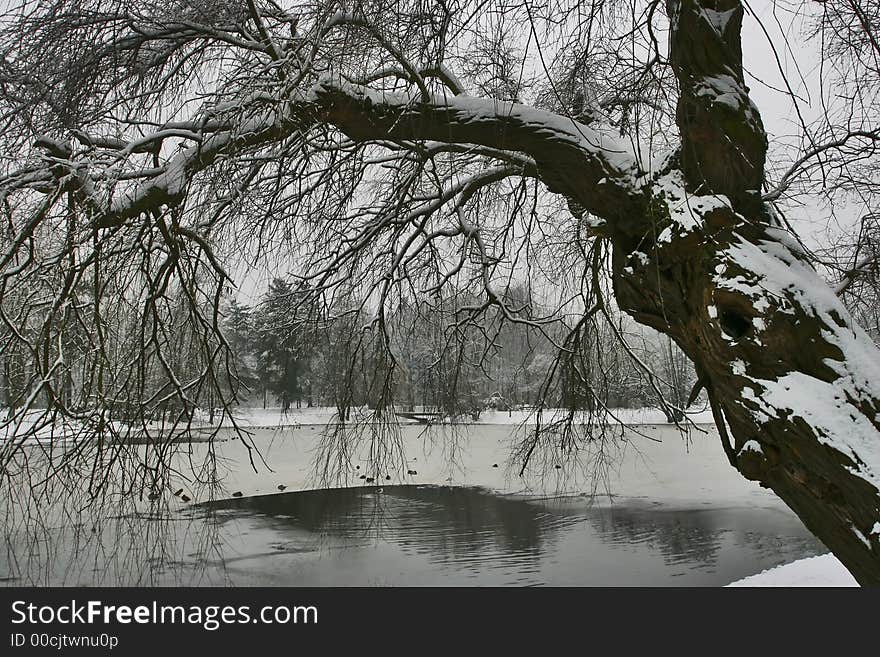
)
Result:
{"points": [[642, 462], [272, 418], [824, 570]]}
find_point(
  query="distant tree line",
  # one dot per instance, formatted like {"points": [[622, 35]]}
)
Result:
{"points": [[291, 348]]}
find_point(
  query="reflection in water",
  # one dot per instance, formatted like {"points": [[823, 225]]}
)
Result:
{"points": [[60, 534], [424, 535], [408, 535]]}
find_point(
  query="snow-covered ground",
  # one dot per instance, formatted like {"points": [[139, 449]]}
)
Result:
{"points": [[824, 570], [323, 415], [36, 428], [651, 462]]}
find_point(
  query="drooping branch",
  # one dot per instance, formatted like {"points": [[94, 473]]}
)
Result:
{"points": [[802, 162]]}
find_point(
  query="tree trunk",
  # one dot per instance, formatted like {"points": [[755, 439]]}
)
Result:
{"points": [[793, 382]]}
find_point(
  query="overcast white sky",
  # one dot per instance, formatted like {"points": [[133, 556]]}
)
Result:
{"points": [[799, 60]]}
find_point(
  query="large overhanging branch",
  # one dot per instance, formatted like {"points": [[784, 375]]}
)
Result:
{"points": [[587, 164]]}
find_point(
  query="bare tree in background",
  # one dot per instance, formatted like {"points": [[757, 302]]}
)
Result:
{"points": [[607, 150], [854, 261], [674, 374]]}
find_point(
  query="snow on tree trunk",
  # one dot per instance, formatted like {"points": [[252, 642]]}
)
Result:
{"points": [[794, 383], [792, 380]]}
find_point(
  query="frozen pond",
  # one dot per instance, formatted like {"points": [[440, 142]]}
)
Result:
{"points": [[680, 516], [435, 536], [428, 536]]}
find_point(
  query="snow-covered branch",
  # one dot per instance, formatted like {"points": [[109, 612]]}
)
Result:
{"points": [[587, 163]]}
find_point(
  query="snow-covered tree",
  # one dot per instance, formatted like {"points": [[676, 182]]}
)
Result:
{"points": [[238, 325], [283, 342], [393, 147]]}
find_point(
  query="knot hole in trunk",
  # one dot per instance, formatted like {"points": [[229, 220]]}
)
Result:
{"points": [[733, 324]]}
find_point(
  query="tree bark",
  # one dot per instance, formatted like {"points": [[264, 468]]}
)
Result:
{"points": [[791, 380], [794, 384]]}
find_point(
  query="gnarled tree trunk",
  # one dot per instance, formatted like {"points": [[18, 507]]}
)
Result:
{"points": [[794, 384]]}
